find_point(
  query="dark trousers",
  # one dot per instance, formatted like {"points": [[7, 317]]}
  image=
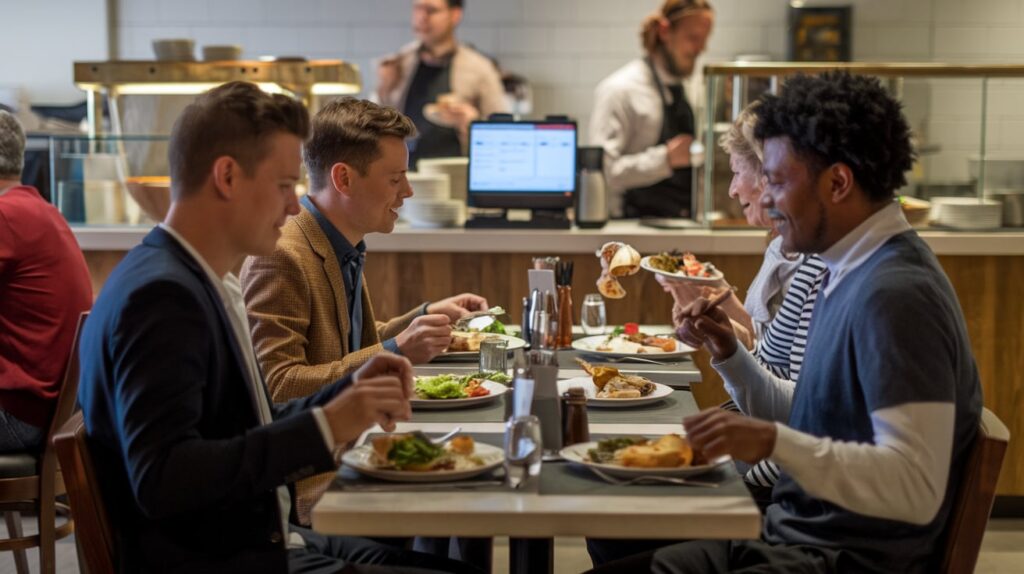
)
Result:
{"points": [[479, 552], [736, 556], [349, 554]]}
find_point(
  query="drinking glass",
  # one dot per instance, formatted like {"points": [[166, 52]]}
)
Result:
{"points": [[493, 355], [522, 450], [592, 314]]}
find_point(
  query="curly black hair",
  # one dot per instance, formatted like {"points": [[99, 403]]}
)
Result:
{"points": [[839, 117]]}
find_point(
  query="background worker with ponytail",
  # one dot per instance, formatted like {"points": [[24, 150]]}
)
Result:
{"points": [[642, 117]]}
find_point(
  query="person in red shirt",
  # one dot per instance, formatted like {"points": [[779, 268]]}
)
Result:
{"points": [[44, 286]]}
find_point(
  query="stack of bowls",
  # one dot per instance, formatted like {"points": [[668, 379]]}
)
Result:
{"points": [[434, 213], [431, 205], [175, 50], [457, 169], [966, 212]]}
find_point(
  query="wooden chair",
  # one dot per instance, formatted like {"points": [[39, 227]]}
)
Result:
{"points": [[973, 503], [94, 532], [32, 482]]}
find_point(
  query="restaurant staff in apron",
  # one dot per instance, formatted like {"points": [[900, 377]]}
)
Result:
{"points": [[643, 120], [440, 83]]}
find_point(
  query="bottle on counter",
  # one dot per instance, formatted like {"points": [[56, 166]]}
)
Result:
{"points": [[575, 425], [564, 340]]}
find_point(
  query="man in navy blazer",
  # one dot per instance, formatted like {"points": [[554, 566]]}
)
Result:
{"points": [[192, 455]]}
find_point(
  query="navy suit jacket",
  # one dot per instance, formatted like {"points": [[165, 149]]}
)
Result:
{"points": [[188, 473]]}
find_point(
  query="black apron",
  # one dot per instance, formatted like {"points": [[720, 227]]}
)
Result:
{"points": [[670, 197], [430, 82]]}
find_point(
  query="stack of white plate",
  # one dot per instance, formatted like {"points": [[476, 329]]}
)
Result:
{"points": [[430, 185], [434, 213], [457, 169], [966, 212]]}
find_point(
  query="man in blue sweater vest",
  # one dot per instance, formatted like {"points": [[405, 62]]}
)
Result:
{"points": [[872, 439]]}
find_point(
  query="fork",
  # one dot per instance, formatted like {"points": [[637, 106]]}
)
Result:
{"points": [[438, 440], [634, 360], [650, 478]]}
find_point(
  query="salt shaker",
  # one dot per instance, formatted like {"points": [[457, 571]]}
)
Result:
{"points": [[575, 426]]}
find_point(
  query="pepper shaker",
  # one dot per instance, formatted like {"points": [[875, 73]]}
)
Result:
{"points": [[575, 426]]}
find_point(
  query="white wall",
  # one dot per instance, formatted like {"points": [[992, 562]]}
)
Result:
{"points": [[40, 41], [566, 46]]}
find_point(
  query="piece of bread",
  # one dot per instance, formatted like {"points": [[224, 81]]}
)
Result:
{"points": [[668, 451]]}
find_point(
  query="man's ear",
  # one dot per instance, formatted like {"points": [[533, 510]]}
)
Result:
{"points": [[664, 27], [341, 178], [226, 172], [841, 182], [456, 17]]}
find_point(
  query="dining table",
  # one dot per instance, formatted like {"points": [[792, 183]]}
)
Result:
{"points": [[565, 500]]}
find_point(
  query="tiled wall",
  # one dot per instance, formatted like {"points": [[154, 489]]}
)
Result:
{"points": [[566, 46]]}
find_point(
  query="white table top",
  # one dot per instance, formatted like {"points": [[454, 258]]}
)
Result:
{"points": [[518, 514]]}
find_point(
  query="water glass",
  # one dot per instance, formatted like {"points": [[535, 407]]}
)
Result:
{"points": [[593, 315], [523, 450], [493, 355]]}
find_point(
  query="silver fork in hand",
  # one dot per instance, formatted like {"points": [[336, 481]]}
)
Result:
{"points": [[650, 478]]}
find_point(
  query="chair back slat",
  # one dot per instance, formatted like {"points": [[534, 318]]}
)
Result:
{"points": [[973, 503], [92, 527]]}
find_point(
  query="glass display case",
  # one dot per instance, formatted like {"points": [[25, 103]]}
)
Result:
{"points": [[110, 181], [966, 122]]}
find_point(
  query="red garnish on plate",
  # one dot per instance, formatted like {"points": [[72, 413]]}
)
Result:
{"points": [[631, 328]]}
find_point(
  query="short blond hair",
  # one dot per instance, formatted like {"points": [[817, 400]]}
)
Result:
{"points": [[673, 11], [740, 141]]}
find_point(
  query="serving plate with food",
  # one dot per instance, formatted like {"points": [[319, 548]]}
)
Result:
{"points": [[682, 267], [629, 341], [630, 457], [467, 343], [609, 387], [452, 391], [412, 457]]}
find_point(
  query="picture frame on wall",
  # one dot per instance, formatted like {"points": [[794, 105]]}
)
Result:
{"points": [[820, 34]]}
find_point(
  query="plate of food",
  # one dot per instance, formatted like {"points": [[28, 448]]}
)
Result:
{"points": [[632, 456], [451, 391], [608, 387], [411, 457], [467, 343], [629, 341], [682, 267]]}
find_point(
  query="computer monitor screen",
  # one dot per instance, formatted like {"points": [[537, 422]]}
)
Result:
{"points": [[522, 164]]}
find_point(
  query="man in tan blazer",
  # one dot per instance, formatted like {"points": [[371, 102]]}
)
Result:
{"points": [[309, 309]]}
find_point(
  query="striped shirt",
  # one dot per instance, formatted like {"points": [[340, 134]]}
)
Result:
{"points": [[781, 349]]}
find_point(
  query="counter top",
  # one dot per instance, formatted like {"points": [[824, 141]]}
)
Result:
{"points": [[644, 239]]}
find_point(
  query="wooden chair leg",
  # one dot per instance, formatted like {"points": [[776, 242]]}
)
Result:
{"points": [[13, 519], [47, 536]]}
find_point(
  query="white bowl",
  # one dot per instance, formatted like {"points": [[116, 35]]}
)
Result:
{"points": [[457, 169], [430, 185]]}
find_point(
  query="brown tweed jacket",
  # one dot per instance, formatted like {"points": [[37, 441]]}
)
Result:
{"points": [[298, 314]]}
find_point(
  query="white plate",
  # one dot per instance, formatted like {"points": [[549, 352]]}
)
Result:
{"points": [[360, 459], [432, 113], [660, 391], [577, 453], [646, 264], [513, 343], [497, 389], [623, 348]]}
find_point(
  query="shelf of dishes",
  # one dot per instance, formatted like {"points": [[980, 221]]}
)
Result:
{"points": [[969, 172]]}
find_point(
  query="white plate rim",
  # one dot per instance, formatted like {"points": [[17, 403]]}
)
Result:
{"points": [[497, 389], [576, 454], [513, 343], [645, 264], [660, 392], [677, 354], [357, 458]]}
